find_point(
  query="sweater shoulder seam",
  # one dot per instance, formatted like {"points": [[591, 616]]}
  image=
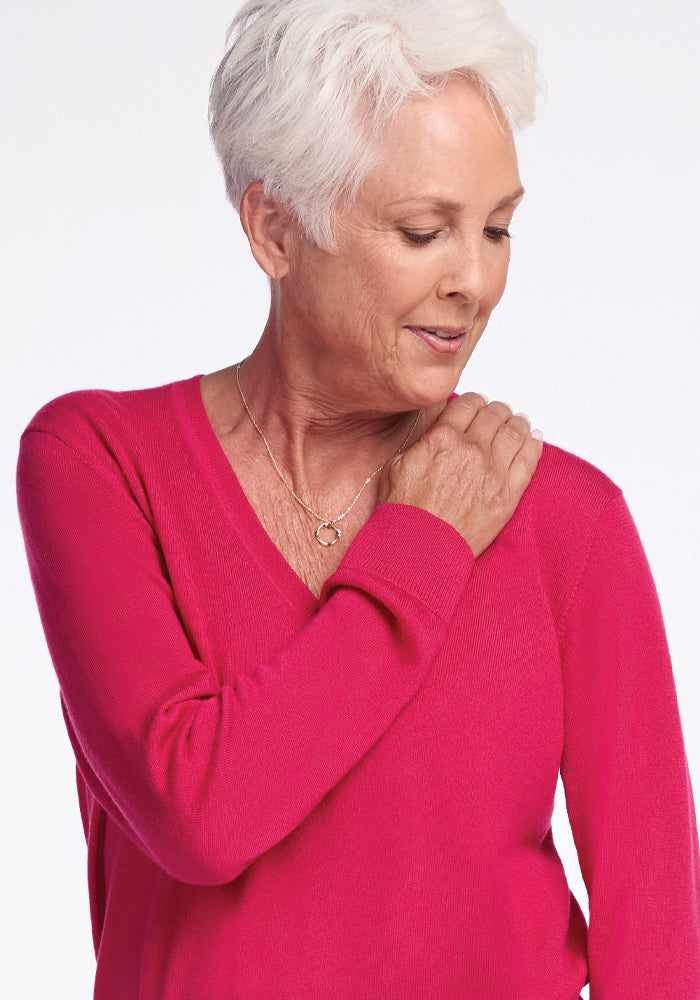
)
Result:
{"points": [[85, 459], [567, 605]]}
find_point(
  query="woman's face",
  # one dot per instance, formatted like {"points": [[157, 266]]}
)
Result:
{"points": [[389, 321]]}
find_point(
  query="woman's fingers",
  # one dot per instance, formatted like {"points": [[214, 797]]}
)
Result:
{"points": [[461, 411], [525, 461], [470, 468], [489, 424], [509, 437]]}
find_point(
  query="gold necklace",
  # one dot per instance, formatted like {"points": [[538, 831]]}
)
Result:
{"points": [[327, 523]]}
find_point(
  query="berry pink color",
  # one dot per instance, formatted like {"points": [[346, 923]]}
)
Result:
{"points": [[292, 799]]}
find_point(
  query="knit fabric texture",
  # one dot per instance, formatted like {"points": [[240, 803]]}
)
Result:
{"points": [[287, 798]]}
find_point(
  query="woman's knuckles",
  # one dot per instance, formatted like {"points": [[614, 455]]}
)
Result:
{"points": [[498, 410], [442, 437], [471, 480], [509, 439]]}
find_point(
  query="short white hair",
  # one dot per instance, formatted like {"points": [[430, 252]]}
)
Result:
{"points": [[306, 86]]}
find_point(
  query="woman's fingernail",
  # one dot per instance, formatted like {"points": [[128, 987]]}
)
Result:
{"points": [[537, 434], [485, 398], [524, 416]]}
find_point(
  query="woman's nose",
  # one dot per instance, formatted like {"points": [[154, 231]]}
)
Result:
{"points": [[465, 273]]}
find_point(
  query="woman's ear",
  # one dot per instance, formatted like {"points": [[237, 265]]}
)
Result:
{"points": [[270, 228]]}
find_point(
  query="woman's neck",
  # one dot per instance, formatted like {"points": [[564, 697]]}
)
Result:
{"points": [[322, 442]]}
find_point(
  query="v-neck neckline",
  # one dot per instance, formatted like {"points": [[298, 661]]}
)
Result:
{"points": [[224, 483]]}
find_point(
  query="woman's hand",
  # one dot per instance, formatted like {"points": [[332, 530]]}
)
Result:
{"points": [[470, 468]]}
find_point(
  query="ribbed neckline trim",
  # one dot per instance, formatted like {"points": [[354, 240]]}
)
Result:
{"points": [[217, 471]]}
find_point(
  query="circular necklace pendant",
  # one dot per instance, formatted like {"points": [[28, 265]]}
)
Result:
{"points": [[327, 526]]}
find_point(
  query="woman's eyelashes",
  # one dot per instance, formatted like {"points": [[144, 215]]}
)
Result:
{"points": [[419, 239], [495, 234]]}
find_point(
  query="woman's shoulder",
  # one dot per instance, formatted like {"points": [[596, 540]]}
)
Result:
{"points": [[570, 507], [123, 435], [571, 487], [92, 420]]}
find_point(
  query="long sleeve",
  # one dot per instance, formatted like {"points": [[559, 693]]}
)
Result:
{"points": [[626, 778], [206, 776]]}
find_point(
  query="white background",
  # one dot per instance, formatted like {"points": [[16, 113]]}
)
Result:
{"points": [[123, 267]]}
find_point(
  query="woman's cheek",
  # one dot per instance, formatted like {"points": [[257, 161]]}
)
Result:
{"points": [[497, 285]]}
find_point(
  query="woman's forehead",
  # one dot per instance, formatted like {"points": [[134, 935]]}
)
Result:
{"points": [[449, 149]]}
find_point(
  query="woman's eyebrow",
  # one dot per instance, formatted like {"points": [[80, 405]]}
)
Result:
{"points": [[510, 199], [456, 206]]}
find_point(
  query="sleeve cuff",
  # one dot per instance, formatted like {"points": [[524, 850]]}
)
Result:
{"points": [[415, 551]]}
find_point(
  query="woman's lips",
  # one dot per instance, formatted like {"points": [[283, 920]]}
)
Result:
{"points": [[443, 339]]}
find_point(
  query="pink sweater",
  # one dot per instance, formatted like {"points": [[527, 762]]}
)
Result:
{"points": [[292, 799]]}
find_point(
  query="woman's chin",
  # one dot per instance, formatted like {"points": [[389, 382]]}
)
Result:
{"points": [[434, 384], [430, 391], [430, 376]]}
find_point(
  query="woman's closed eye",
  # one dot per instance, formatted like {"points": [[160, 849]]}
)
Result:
{"points": [[496, 234], [419, 239]]}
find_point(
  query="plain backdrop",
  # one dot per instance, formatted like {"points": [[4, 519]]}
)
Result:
{"points": [[124, 266]]}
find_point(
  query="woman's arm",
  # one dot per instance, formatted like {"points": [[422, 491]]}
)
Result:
{"points": [[626, 778], [205, 777]]}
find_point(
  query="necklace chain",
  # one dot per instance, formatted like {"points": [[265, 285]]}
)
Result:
{"points": [[327, 524]]}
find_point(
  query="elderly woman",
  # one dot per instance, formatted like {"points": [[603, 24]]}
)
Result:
{"points": [[326, 633]]}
